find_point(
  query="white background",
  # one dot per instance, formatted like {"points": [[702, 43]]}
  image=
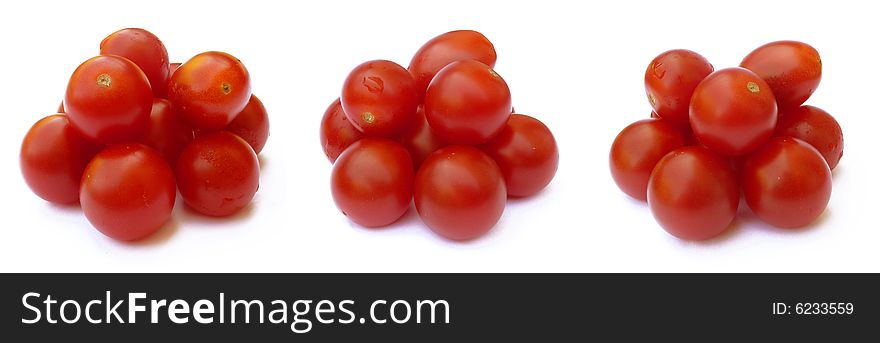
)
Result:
{"points": [[578, 66]]}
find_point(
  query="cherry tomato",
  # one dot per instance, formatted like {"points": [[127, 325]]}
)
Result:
{"points": [[733, 111], [167, 132], [786, 182], [144, 49], [109, 99], [459, 192], [816, 127], [210, 89], [693, 193], [447, 48], [419, 140], [337, 133], [636, 151], [670, 81], [252, 124], [379, 98], [526, 153], [372, 182], [218, 174], [128, 191], [792, 69], [467, 103], [53, 157]]}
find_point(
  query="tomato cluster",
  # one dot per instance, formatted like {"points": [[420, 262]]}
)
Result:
{"points": [[716, 136], [440, 133], [134, 128]]}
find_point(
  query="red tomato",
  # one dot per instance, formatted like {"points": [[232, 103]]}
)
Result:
{"points": [[210, 89], [816, 127], [467, 103], [252, 124], [733, 112], [53, 157], [787, 182], [792, 69], [218, 174], [445, 49], [109, 99], [337, 133], [128, 191], [526, 153], [372, 182], [379, 98], [636, 151], [167, 132], [419, 140], [459, 192], [144, 49], [693, 193], [670, 81]]}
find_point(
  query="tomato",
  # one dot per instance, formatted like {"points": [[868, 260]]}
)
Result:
{"points": [[210, 89], [419, 140], [786, 183], [167, 132], [146, 51], [128, 191], [337, 133], [372, 182], [445, 49], [693, 193], [816, 127], [252, 124], [53, 157], [636, 151], [109, 99], [670, 81], [792, 69], [218, 174], [379, 98], [467, 103], [733, 111], [526, 153], [459, 192]]}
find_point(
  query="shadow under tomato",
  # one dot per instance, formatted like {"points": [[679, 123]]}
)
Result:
{"points": [[263, 161], [65, 208], [163, 235], [188, 214], [408, 218], [835, 173], [757, 223]]}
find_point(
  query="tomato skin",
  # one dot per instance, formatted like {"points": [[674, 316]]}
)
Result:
{"points": [[670, 81], [53, 157], [146, 51], [445, 49], [210, 89], [816, 127], [467, 103], [526, 154], [379, 98], [787, 182], [693, 193], [109, 99], [733, 112], [419, 140], [337, 133], [459, 192], [218, 174], [128, 191], [792, 69], [636, 151], [166, 132], [372, 182], [252, 124]]}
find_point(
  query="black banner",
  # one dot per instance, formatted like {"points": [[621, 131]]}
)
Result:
{"points": [[465, 307]]}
